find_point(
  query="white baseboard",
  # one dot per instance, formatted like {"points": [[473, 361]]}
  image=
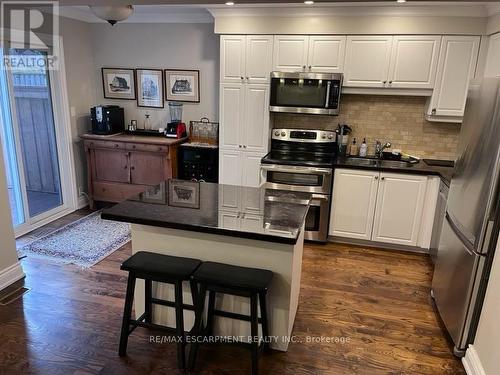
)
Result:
{"points": [[472, 363], [82, 202], [10, 275]]}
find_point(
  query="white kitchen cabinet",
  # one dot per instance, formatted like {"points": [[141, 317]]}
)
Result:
{"points": [[456, 67], [399, 207], [259, 58], [232, 115], [322, 53], [255, 127], [367, 61], [290, 53], [232, 58], [326, 54], [239, 168], [414, 61], [353, 203], [246, 59]]}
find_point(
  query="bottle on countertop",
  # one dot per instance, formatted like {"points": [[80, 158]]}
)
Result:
{"points": [[363, 149], [353, 149], [147, 123]]}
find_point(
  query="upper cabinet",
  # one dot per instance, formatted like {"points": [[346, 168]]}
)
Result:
{"points": [[367, 61], [414, 61], [457, 64], [309, 53], [245, 59], [407, 62]]}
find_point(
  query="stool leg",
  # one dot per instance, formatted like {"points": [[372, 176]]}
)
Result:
{"points": [[127, 312], [148, 291], [263, 316], [210, 313], [179, 326], [254, 328], [198, 322]]}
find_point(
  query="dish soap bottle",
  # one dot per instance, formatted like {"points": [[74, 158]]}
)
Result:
{"points": [[363, 149], [353, 150]]}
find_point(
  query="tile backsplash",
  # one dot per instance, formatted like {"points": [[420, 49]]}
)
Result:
{"points": [[397, 119]]}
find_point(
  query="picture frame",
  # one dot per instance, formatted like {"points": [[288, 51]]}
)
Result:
{"points": [[155, 195], [150, 88], [183, 193], [118, 83], [182, 85]]}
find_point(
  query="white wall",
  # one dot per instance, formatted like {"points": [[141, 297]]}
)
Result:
{"points": [[79, 63], [10, 270], [493, 60], [161, 46]]}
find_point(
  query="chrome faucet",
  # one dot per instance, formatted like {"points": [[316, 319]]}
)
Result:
{"points": [[379, 149]]}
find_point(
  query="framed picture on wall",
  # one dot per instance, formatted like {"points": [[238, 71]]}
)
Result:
{"points": [[149, 88], [118, 83], [182, 85]]}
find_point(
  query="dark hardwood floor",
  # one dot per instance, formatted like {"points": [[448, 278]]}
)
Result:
{"points": [[376, 300]]}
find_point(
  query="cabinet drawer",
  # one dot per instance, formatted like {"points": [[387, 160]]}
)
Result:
{"points": [[148, 148], [115, 192], [105, 144]]}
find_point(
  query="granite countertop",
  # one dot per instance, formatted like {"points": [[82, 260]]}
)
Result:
{"points": [[419, 168], [127, 138], [236, 211]]}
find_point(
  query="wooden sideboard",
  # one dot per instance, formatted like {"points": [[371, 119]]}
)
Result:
{"points": [[121, 165]]}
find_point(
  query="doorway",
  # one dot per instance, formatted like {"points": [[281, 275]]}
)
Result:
{"points": [[34, 145]]}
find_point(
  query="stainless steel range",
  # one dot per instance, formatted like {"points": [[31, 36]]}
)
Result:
{"points": [[302, 160]]}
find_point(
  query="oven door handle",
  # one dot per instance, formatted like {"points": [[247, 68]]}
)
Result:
{"points": [[304, 170]]}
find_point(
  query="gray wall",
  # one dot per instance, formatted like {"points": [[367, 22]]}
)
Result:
{"points": [[162, 46]]}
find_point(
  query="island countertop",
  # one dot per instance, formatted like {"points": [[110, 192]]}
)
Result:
{"points": [[236, 211]]}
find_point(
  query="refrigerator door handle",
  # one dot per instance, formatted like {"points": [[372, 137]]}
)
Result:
{"points": [[467, 244], [487, 236]]}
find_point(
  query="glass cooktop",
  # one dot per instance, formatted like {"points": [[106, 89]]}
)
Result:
{"points": [[311, 159]]}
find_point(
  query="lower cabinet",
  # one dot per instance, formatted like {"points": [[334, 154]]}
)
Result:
{"points": [[379, 206], [239, 168]]}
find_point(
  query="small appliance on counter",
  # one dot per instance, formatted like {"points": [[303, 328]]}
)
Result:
{"points": [[199, 158], [107, 119], [175, 128]]}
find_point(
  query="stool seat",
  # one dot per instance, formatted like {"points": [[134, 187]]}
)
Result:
{"points": [[160, 265], [227, 275]]}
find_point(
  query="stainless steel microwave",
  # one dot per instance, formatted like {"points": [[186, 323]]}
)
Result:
{"points": [[301, 92]]}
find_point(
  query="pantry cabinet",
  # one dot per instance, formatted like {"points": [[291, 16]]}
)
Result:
{"points": [[378, 206], [408, 62], [245, 59], [457, 64], [323, 53], [399, 207], [239, 168]]}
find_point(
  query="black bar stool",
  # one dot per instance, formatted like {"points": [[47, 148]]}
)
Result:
{"points": [[240, 281], [165, 269]]}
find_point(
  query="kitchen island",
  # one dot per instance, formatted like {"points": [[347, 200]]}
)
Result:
{"points": [[243, 226]]}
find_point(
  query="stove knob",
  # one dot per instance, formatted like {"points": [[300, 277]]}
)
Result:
{"points": [[277, 133], [323, 135], [330, 136], [283, 134]]}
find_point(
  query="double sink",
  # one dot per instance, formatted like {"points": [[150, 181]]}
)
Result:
{"points": [[380, 163]]}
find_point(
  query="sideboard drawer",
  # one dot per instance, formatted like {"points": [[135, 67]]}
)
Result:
{"points": [[105, 144], [115, 192], [147, 148]]}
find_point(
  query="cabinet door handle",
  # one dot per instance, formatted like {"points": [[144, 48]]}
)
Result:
{"points": [[433, 111], [247, 78], [310, 67], [244, 146], [376, 177], [390, 82], [303, 66], [242, 78], [384, 82], [382, 178], [132, 168], [239, 146]]}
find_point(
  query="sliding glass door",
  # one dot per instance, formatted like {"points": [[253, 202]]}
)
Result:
{"points": [[30, 144]]}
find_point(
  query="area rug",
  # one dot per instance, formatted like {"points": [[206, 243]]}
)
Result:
{"points": [[84, 242]]}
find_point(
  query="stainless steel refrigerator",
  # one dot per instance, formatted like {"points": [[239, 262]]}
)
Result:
{"points": [[472, 223]]}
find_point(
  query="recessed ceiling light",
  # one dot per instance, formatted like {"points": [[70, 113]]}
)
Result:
{"points": [[230, 3], [401, 1], [309, 2]]}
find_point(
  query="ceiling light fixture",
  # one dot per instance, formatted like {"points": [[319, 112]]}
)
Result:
{"points": [[112, 14], [401, 1], [229, 3], [309, 2]]}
